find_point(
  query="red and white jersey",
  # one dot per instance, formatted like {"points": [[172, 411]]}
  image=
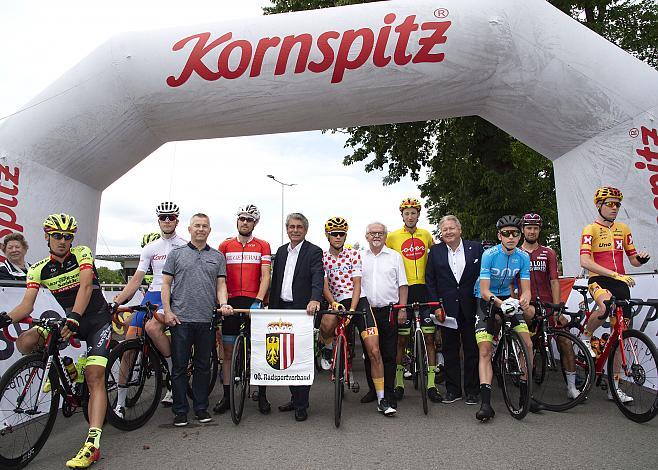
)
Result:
{"points": [[243, 265], [154, 255], [340, 271]]}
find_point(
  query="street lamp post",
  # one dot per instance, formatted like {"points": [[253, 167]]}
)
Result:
{"points": [[283, 185]]}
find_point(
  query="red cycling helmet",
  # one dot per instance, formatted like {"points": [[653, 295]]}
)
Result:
{"points": [[532, 219]]}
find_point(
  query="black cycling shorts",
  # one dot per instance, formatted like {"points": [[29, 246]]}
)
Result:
{"points": [[231, 323], [418, 293], [96, 331], [618, 289], [485, 327], [366, 324]]}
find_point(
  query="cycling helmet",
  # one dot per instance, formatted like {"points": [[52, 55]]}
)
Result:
{"points": [[149, 237], [249, 210], [336, 223], [409, 203], [605, 192], [60, 223], [532, 219], [167, 208], [508, 221]]}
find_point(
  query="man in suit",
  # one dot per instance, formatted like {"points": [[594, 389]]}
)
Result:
{"points": [[453, 268], [297, 282]]}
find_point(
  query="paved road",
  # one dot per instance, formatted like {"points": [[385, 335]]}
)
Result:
{"points": [[449, 436]]}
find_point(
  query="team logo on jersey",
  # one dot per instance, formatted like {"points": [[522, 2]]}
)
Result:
{"points": [[413, 248], [629, 239], [587, 239], [280, 345], [619, 244]]}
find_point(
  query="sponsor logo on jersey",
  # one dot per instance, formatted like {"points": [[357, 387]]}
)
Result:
{"points": [[619, 244], [413, 248], [587, 239], [159, 257], [505, 272], [243, 257]]}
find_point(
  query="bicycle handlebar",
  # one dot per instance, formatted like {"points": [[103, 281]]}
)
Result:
{"points": [[47, 322], [417, 305], [319, 312], [629, 303], [548, 305]]}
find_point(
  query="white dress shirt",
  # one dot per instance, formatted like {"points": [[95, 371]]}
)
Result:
{"points": [[383, 274], [457, 260], [289, 272]]}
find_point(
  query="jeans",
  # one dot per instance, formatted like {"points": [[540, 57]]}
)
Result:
{"points": [[183, 338]]}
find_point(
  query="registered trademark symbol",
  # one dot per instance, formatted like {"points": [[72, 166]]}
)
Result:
{"points": [[441, 12], [634, 132]]}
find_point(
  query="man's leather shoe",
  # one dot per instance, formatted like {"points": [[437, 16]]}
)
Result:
{"points": [[301, 414], [286, 407], [264, 406], [222, 405], [369, 397]]}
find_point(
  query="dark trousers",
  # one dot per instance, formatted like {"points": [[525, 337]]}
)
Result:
{"points": [[299, 393], [453, 341], [183, 337], [387, 326]]}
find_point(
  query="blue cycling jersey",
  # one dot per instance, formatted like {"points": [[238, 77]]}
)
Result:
{"points": [[501, 268]]}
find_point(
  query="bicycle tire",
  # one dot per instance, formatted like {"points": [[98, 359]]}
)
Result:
{"points": [[239, 379], [214, 370], [514, 358], [144, 383], [339, 378], [25, 366], [551, 390], [540, 360], [641, 395], [421, 366]]}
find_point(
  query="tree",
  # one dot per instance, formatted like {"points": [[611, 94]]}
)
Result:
{"points": [[109, 276], [475, 170]]}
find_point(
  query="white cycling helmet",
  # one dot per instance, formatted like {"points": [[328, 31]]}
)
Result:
{"points": [[510, 307], [249, 210], [167, 208]]}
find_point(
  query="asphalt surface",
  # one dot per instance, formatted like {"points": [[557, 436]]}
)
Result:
{"points": [[592, 435]]}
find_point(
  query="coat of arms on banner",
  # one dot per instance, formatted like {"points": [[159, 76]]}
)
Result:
{"points": [[280, 345]]}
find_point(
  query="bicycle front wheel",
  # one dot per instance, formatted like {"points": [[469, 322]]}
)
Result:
{"points": [[421, 367], [139, 374], [339, 378], [239, 379], [634, 385], [514, 367], [27, 414], [567, 371]]}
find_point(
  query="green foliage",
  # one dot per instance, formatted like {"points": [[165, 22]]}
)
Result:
{"points": [[109, 276]]}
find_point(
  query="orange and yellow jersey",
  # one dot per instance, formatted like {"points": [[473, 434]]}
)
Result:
{"points": [[414, 248], [606, 245]]}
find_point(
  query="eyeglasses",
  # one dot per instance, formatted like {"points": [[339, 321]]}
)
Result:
{"points": [[167, 217], [510, 233], [246, 219], [612, 204], [59, 236], [337, 234], [376, 234]]}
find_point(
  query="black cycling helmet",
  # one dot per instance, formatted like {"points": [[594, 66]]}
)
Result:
{"points": [[508, 221]]}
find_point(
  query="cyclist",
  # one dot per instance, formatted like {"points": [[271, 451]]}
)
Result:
{"points": [[545, 286], [146, 239], [70, 275], [413, 243], [248, 264], [153, 257], [500, 265], [342, 289], [602, 247]]}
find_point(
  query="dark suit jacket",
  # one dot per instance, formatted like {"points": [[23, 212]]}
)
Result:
{"points": [[441, 282], [308, 280]]}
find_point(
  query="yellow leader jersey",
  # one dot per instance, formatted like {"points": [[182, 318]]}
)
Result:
{"points": [[414, 248]]}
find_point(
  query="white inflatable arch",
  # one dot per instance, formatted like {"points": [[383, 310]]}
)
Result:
{"points": [[521, 64]]}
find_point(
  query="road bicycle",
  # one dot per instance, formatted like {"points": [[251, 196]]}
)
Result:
{"points": [[418, 362], [559, 356], [30, 393]]}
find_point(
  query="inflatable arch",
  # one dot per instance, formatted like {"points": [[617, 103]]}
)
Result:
{"points": [[521, 64]]}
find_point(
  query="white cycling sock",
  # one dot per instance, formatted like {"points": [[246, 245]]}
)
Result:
{"points": [[571, 379], [169, 364], [122, 393]]}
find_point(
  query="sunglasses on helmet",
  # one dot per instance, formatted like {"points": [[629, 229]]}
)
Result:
{"points": [[60, 235], [337, 234], [167, 217], [510, 233], [246, 219], [612, 204]]}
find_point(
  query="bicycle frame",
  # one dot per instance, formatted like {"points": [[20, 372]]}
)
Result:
{"points": [[340, 330]]}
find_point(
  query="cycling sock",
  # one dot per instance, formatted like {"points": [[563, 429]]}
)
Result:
{"points": [[523, 387], [94, 437], [169, 364], [379, 387], [399, 379], [122, 393], [439, 359], [430, 377], [262, 392], [485, 393], [227, 391], [571, 379]]}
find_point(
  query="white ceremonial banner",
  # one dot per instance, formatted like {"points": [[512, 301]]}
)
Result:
{"points": [[282, 348]]}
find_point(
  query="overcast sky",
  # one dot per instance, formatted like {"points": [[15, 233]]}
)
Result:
{"points": [[41, 40]]}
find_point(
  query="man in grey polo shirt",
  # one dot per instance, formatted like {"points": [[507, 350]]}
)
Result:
{"points": [[193, 283]]}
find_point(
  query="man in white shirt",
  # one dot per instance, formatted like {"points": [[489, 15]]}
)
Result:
{"points": [[384, 282]]}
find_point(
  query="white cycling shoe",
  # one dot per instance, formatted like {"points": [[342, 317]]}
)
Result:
{"points": [[622, 396]]}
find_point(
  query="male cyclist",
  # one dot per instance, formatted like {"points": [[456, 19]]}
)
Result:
{"points": [[500, 265], [146, 239], [413, 244], [545, 286], [342, 289], [602, 248], [69, 273], [248, 264], [153, 257]]}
